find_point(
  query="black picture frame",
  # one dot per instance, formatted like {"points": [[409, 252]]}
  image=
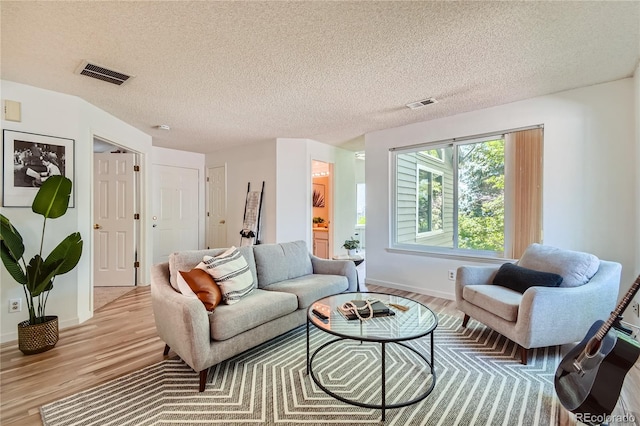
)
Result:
{"points": [[23, 167]]}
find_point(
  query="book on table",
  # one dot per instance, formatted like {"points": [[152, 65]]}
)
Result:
{"points": [[379, 310]]}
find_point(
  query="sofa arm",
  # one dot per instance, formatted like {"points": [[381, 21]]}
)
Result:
{"points": [[543, 309], [336, 267], [474, 275], [182, 322]]}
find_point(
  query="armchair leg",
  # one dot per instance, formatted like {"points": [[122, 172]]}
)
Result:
{"points": [[166, 350], [523, 355], [465, 320], [203, 379]]}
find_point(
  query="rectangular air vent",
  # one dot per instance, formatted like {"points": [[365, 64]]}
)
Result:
{"points": [[102, 73], [422, 103]]}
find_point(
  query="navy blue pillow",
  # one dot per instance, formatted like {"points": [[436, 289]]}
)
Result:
{"points": [[520, 279]]}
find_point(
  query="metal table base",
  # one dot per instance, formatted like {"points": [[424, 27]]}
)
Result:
{"points": [[383, 406]]}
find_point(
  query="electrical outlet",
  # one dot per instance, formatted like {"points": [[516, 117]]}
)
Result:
{"points": [[15, 305], [636, 308], [452, 274]]}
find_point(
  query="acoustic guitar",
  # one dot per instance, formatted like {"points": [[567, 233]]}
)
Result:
{"points": [[590, 376]]}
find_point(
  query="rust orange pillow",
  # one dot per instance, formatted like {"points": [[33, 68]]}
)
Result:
{"points": [[203, 287]]}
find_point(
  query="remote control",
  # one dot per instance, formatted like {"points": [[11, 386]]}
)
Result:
{"points": [[319, 314]]}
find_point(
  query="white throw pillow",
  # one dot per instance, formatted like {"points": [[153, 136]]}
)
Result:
{"points": [[231, 272]]}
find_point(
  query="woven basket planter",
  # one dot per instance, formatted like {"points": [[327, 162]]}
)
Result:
{"points": [[37, 338]]}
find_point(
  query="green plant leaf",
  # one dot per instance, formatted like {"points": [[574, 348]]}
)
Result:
{"points": [[52, 199], [10, 237], [68, 251], [12, 249], [12, 265], [40, 274]]}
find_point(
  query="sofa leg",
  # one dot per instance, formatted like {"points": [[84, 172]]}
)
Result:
{"points": [[166, 350], [523, 355], [203, 379], [465, 320]]}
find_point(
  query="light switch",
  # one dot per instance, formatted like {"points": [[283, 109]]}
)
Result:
{"points": [[12, 111]]}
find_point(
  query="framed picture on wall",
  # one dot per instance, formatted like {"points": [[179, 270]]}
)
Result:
{"points": [[318, 195], [28, 159]]}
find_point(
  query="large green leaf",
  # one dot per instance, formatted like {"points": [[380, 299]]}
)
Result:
{"points": [[68, 251], [11, 238], [13, 267], [52, 198], [40, 274]]}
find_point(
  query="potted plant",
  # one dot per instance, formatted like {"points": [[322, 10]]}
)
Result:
{"points": [[40, 332], [317, 221], [351, 245]]}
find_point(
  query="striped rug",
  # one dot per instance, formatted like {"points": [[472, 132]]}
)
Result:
{"points": [[479, 381]]}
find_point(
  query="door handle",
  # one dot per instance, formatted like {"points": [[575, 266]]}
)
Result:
{"points": [[97, 226], [154, 225], [222, 222]]}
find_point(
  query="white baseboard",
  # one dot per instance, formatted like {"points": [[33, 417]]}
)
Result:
{"points": [[419, 290], [13, 336]]}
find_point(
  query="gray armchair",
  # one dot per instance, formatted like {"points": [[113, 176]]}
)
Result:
{"points": [[541, 316]]}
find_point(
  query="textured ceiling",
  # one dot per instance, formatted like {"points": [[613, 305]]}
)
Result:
{"points": [[229, 73]]}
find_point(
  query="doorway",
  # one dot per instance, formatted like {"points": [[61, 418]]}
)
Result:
{"points": [[116, 225], [217, 207], [175, 210], [322, 203]]}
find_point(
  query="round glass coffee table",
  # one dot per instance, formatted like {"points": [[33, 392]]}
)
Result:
{"points": [[411, 320]]}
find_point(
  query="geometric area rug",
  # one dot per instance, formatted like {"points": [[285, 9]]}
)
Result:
{"points": [[479, 381]]}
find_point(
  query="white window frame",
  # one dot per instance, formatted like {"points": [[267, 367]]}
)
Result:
{"points": [[446, 252], [433, 172]]}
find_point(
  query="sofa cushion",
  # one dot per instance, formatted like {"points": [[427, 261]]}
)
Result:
{"points": [[189, 259], [498, 300], [520, 279], [280, 262], [198, 283], [576, 268], [258, 307], [310, 288], [231, 272]]}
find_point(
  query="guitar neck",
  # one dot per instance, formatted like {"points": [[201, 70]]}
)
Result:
{"points": [[606, 326]]}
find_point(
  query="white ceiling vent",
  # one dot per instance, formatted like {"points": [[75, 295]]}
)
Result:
{"points": [[422, 103], [101, 73]]}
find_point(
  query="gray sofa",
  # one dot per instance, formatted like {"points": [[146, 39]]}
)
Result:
{"points": [[541, 316], [287, 279]]}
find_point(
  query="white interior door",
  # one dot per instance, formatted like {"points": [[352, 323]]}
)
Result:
{"points": [[114, 225], [175, 210], [217, 207]]}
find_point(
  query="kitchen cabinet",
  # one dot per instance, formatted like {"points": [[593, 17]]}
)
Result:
{"points": [[321, 243]]}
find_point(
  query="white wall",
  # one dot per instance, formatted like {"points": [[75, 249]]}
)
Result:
{"points": [[285, 166], [294, 201], [188, 160], [55, 114], [249, 163], [589, 180]]}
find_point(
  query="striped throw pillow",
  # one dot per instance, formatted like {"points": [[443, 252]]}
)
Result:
{"points": [[231, 272]]}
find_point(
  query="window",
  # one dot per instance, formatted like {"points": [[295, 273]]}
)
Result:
{"points": [[469, 197], [429, 196]]}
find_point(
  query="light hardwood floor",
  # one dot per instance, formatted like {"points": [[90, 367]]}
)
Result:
{"points": [[121, 338]]}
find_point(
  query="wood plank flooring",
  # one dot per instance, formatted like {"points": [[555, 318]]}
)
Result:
{"points": [[121, 338]]}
